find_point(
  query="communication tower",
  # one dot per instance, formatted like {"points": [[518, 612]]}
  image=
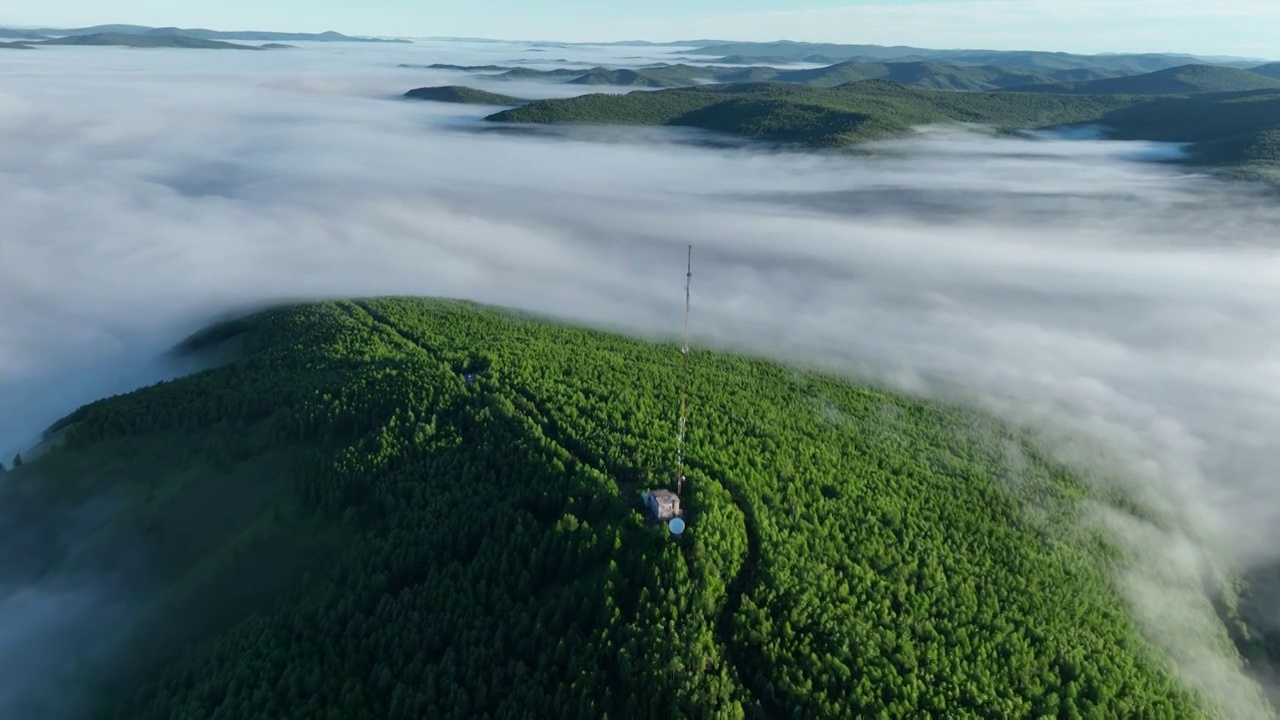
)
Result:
{"points": [[662, 503], [684, 380]]}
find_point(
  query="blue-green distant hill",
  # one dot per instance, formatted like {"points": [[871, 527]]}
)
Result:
{"points": [[1271, 70], [197, 33], [937, 76], [1118, 63], [1172, 81], [145, 41], [929, 75]]}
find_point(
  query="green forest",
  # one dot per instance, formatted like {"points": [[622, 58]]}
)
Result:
{"points": [[408, 508], [1231, 131], [463, 95], [1183, 80], [665, 75], [1035, 60], [817, 116]]}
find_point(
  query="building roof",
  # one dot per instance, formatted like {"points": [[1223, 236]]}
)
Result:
{"points": [[665, 498]]}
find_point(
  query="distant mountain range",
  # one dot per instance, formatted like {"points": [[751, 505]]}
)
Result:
{"points": [[1190, 78], [146, 41], [1172, 81], [789, 51], [1227, 116], [195, 33], [141, 41], [16, 34], [1271, 70]]}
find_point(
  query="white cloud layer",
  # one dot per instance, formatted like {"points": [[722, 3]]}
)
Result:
{"points": [[1127, 309]]}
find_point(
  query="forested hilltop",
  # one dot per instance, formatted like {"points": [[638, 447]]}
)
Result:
{"points": [[403, 508]]}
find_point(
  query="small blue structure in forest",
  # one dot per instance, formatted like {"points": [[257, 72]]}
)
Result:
{"points": [[469, 377]]}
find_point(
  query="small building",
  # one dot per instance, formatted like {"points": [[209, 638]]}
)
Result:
{"points": [[663, 503]]}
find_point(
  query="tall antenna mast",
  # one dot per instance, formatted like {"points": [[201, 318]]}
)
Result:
{"points": [[684, 363]]}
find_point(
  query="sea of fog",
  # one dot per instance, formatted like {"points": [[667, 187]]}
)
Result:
{"points": [[1122, 306]]}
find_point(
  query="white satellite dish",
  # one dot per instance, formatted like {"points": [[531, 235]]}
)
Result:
{"points": [[676, 526]]}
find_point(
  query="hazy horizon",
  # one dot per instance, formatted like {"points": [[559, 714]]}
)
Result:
{"points": [[682, 43], [685, 43], [1232, 28]]}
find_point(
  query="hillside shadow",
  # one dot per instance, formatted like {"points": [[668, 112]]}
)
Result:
{"points": [[1254, 625]]}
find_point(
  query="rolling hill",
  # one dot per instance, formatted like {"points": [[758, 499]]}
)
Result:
{"points": [[16, 46], [1238, 131], [815, 116], [328, 36], [654, 77], [16, 34], [802, 51], [1127, 64], [936, 76], [1231, 131], [459, 68], [1172, 81], [199, 33], [145, 41], [1271, 70], [523, 73], [400, 508], [464, 95]]}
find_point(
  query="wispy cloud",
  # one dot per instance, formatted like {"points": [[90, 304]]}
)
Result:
{"points": [[1126, 310]]}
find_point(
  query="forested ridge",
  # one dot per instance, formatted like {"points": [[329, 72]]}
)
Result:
{"points": [[938, 75], [663, 75], [850, 553], [1234, 131], [810, 116]]}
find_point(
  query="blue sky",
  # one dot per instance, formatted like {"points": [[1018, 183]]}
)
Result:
{"points": [[1240, 27]]}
